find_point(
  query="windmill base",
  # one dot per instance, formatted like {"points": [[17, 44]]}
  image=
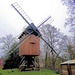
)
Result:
{"points": [[29, 63]]}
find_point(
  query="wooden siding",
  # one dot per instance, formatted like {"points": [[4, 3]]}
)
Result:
{"points": [[73, 69], [30, 46], [64, 69]]}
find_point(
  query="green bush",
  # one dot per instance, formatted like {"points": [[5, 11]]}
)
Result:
{"points": [[12, 60], [57, 71]]}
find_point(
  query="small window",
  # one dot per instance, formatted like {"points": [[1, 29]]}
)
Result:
{"points": [[32, 43]]}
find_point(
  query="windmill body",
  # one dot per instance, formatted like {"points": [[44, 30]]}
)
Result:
{"points": [[30, 46]]}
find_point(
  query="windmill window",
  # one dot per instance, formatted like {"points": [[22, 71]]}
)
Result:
{"points": [[32, 43]]}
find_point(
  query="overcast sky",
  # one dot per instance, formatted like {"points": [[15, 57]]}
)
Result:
{"points": [[37, 10]]}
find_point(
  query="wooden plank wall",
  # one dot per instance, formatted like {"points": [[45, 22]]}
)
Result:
{"points": [[64, 69], [30, 46], [73, 69]]}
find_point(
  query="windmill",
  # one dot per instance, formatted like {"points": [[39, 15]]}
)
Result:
{"points": [[30, 32]]}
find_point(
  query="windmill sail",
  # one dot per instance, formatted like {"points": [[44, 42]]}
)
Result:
{"points": [[17, 7]]}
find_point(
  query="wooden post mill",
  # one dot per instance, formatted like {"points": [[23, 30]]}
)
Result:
{"points": [[29, 49], [29, 46]]}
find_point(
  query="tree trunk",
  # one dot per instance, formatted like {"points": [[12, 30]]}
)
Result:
{"points": [[46, 60]]}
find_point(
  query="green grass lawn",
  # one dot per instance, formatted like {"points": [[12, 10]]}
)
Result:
{"points": [[16, 72]]}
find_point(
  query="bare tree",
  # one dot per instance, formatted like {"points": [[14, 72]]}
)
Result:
{"points": [[53, 37], [70, 21], [6, 43]]}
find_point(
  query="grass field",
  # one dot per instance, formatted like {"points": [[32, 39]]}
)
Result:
{"points": [[16, 72]]}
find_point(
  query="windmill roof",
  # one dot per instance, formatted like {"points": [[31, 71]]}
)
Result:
{"points": [[27, 31], [68, 62]]}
